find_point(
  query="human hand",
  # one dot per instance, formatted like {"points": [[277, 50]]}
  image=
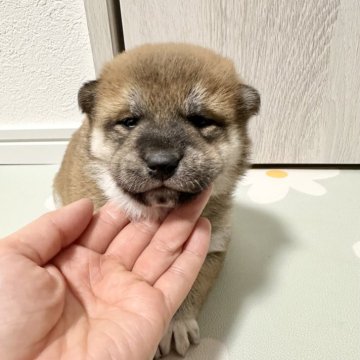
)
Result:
{"points": [[78, 286]]}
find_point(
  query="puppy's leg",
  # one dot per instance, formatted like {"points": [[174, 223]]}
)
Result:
{"points": [[184, 329]]}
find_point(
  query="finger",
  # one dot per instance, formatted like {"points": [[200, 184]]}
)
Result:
{"points": [[177, 281], [105, 225], [41, 240], [170, 238], [131, 242]]}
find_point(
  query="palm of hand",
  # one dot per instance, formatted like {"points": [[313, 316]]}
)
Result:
{"points": [[109, 295], [83, 305], [101, 300]]}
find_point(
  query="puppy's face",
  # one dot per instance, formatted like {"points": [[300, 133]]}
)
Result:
{"points": [[166, 122]]}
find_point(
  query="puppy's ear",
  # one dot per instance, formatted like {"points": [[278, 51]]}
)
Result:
{"points": [[86, 97], [248, 101]]}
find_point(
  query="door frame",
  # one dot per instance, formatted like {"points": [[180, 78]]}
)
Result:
{"points": [[105, 30]]}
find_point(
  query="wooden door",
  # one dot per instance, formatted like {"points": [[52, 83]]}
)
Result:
{"points": [[303, 57]]}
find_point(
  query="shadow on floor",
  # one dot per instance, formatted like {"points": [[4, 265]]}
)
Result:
{"points": [[258, 238]]}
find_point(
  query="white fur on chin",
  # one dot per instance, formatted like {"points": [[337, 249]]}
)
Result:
{"points": [[136, 211], [133, 209]]}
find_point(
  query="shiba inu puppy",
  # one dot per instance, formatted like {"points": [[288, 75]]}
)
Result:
{"points": [[162, 123]]}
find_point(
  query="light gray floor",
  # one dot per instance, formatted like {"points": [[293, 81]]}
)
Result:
{"points": [[290, 288]]}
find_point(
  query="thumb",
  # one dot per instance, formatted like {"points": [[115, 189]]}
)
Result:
{"points": [[41, 240]]}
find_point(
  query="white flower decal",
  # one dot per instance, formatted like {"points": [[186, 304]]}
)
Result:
{"points": [[356, 248], [207, 349], [49, 203], [268, 186]]}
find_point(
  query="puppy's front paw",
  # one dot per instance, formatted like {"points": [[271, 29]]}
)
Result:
{"points": [[184, 332]]}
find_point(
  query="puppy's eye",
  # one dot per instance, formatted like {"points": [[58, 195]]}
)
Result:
{"points": [[129, 122], [200, 121]]}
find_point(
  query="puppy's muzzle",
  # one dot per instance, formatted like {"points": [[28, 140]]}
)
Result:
{"points": [[162, 164]]}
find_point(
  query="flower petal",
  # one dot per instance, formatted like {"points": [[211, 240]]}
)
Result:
{"points": [[312, 174], [356, 248], [324, 174], [308, 187], [49, 203], [267, 192], [253, 176]]}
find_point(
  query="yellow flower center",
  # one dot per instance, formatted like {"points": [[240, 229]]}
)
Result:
{"points": [[278, 174]]}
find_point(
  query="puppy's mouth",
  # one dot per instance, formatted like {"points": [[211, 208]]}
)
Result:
{"points": [[162, 196], [166, 192]]}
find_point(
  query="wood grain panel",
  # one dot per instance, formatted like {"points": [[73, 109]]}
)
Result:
{"points": [[301, 55], [103, 36], [341, 106]]}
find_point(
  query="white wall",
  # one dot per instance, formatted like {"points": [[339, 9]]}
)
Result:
{"points": [[45, 56]]}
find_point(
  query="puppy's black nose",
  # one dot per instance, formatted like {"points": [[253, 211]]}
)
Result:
{"points": [[162, 164]]}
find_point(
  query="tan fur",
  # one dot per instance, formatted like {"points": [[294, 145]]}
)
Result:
{"points": [[162, 85]]}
